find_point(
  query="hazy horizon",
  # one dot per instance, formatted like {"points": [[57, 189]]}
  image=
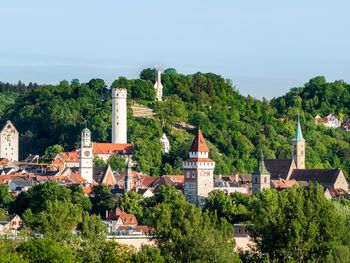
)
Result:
{"points": [[264, 47]]}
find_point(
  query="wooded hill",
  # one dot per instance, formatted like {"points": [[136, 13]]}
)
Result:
{"points": [[235, 126]]}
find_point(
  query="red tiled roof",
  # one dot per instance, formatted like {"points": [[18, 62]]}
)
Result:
{"points": [[128, 219], [203, 160], [77, 177], [199, 144], [70, 156], [283, 184], [109, 148]]}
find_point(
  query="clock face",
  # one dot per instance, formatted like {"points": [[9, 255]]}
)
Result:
{"points": [[87, 153]]}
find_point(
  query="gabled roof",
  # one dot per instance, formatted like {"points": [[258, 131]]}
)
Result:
{"points": [[72, 157], [199, 144], [9, 125], [279, 168], [283, 184], [324, 177], [128, 219], [110, 148], [108, 178]]}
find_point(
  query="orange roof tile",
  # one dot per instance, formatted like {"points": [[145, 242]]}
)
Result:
{"points": [[70, 156], [199, 144], [109, 148]]}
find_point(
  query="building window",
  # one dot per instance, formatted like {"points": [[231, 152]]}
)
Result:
{"points": [[8, 138], [187, 174], [256, 180], [302, 152], [265, 180], [193, 175]]}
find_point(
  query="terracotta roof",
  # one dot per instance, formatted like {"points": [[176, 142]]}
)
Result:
{"points": [[76, 177], [204, 160], [278, 168], [70, 156], [87, 190], [128, 219], [199, 144], [283, 184], [109, 148], [324, 177]]}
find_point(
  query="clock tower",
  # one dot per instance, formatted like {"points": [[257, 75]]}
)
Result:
{"points": [[199, 172], [86, 157]]}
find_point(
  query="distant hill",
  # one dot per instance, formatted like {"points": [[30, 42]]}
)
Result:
{"points": [[235, 126]]}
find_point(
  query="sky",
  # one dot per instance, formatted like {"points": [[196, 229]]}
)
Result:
{"points": [[264, 47]]}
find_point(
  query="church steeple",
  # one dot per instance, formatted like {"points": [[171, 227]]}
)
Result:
{"points": [[298, 136], [128, 176], [298, 143], [261, 177]]}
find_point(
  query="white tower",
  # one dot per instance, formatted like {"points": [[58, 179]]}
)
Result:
{"points": [[85, 156], [119, 115], [199, 172], [9, 142], [158, 86], [165, 143]]}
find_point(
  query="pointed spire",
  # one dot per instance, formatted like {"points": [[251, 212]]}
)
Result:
{"points": [[199, 144], [261, 168], [298, 136]]}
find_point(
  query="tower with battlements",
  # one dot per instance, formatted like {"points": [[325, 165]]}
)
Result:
{"points": [[198, 171], [119, 116], [9, 142]]}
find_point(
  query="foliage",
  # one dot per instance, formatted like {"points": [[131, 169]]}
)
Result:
{"points": [[57, 221], [45, 250], [148, 254], [131, 202], [116, 162], [92, 228], [183, 233], [52, 151], [233, 207], [5, 197], [101, 199], [296, 224], [8, 252]]}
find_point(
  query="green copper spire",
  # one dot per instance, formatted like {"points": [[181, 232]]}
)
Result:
{"points": [[298, 137], [261, 168]]}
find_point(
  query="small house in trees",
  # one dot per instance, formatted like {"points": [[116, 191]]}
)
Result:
{"points": [[331, 121]]}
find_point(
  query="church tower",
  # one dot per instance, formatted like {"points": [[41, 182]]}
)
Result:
{"points": [[261, 177], [158, 86], [9, 142], [128, 177], [119, 116], [198, 171], [86, 157], [299, 148]]}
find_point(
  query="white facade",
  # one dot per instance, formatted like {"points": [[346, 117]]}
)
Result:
{"points": [[9, 142], [165, 143], [119, 115], [85, 156], [158, 86], [331, 121]]}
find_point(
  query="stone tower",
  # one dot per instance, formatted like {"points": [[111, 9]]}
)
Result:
{"points": [[86, 156], [128, 176], [9, 142], [165, 143], [158, 86], [261, 177], [198, 171], [119, 116], [299, 147]]}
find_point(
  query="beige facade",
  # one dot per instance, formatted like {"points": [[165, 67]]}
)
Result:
{"points": [[9, 142], [299, 154]]}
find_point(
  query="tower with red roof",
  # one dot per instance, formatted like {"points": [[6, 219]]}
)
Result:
{"points": [[198, 171]]}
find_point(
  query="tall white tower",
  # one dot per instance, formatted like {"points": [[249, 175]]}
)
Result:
{"points": [[119, 115], [85, 156], [158, 86], [165, 143], [9, 142]]}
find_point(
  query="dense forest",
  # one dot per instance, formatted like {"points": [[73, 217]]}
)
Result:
{"points": [[235, 126]]}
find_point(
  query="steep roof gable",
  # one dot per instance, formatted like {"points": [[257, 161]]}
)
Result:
{"points": [[199, 144]]}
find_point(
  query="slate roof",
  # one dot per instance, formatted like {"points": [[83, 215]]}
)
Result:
{"points": [[322, 176], [278, 168]]}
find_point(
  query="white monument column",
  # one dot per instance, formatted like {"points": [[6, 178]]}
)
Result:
{"points": [[119, 115]]}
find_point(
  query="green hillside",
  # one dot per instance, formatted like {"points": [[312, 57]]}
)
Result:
{"points": [[236, 127]]}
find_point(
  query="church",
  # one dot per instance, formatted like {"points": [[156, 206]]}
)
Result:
{"points": [[293, 170]]}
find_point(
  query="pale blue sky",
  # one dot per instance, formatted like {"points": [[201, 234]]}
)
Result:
{"points": [[265, 46]]}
